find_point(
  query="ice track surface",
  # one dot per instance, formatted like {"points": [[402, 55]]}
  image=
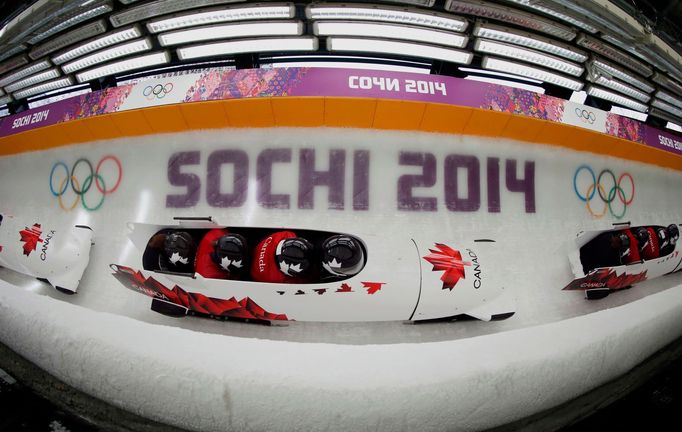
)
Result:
{"points": [[201, 374]]}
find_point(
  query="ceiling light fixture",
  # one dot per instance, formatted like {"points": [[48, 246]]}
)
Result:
{"points": [[33, 79], [159, 7], [336, 44], [500, 65], [530, 40], [98, 43], [230, 31], [388, 31], [28, 70], [616, 98], [386, 14], [527, 55], [248, 46], [256, 12], [112, 53], [513, 16], [48, 86], [134, 63]]}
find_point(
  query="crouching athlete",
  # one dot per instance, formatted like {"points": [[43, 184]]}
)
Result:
{"points": [[221, 255], [283, 257]]}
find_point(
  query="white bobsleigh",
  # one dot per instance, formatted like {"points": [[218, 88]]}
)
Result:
{"points": [[404, 278], [598, 281], [58, 255]]}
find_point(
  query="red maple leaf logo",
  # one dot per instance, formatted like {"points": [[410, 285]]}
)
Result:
{"points": [[31, 237], [372, 287], [450, 262], [344, 288]]}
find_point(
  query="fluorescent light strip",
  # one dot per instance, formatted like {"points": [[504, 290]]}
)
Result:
{"points": [[243, 30], [473, 72], [398, 48], [248, 46], [52, 85], [541, 7], [423, 3], [615, 71], [667, 107], [519, 37], [614, 54], [674, 126], [5, 100], [259, 12], [140, 62], [2, 93], [13, 63], [527, 55], [627, 112], [670, 84], [9, 53], [29, 70], [655, 112], [70, 38], [509, 15], [388, 31], [602, 93], [99, 43], [620, 87], [532, 72], [70, 22], [386, 14], [668, 98], [159, 7], [112, 53], [33, 79]]}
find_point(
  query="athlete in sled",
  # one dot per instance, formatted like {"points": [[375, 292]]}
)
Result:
{"points": [[56, 255], [264, 274], [614, 259]]}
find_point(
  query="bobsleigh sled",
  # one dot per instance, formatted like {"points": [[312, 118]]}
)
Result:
{"points": [[598, 270], [56, 255], [403, 279]]}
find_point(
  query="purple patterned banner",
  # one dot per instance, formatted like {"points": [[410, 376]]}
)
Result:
{"points": [[235, 84]]}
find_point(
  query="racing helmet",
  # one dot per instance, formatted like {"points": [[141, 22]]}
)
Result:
{"points": [[229, 252], [294, 256], [179, 248], [673, 233], [663, 237], [342, 255], [621, 242], [642, 236]]}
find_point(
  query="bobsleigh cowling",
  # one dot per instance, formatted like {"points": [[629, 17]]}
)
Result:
{"points": [[57, 255], [598, 281], [403, 279]]}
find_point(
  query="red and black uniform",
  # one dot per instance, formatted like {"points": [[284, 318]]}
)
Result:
{"points": [[633, 255], [651, 249], [205, 265], [264, 266]]}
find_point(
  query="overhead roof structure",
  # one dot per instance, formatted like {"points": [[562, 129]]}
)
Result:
{"points": [[620, 52]]}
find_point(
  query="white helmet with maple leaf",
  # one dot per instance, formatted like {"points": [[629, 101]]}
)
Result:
{"points": [[229, 252], [294, 256], [342, 255]]}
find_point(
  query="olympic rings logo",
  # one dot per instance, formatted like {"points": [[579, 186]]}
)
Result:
{"points": [[80, 190], [596, 187], [157, 91], [585, 116]]}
